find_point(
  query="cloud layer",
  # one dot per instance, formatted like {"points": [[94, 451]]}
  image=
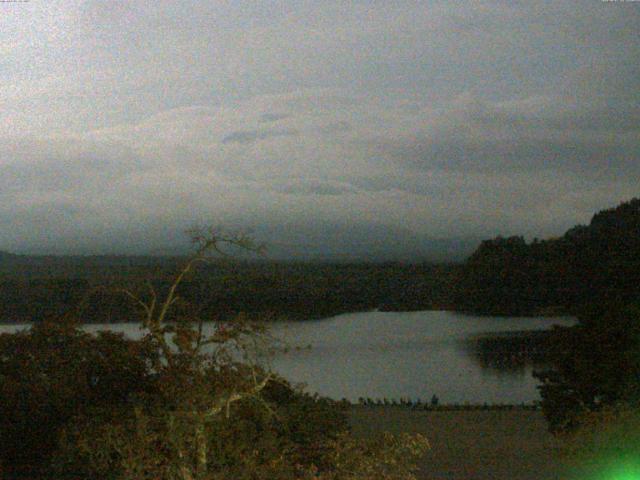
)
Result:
{"points": [[121, 124]]}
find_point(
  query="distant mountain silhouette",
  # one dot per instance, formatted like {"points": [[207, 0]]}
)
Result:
{"points": [[311, 241], [361, 243]]}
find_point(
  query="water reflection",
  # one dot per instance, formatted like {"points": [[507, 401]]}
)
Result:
{"points": [[510, 353], [408, 355], [417, 354]]}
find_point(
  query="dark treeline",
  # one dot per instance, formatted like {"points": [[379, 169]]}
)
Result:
{"points": [[504, 276], [32, 289], [598, 263], [592, 272]]}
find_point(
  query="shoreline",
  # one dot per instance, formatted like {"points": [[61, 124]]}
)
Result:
{"points": [[400, 404], [273, 318]]}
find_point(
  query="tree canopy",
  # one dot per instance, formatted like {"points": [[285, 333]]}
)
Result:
{"points": [[178, 404], [598, 263]]}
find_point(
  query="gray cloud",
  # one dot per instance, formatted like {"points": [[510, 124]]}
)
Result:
{"points": [[419, 117], [314, 187], [273, 117], [542, 133], [39, 167], [251, 136], [333, 128]]}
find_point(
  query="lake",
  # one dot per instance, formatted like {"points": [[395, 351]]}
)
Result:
{"points": [[398, 354]]}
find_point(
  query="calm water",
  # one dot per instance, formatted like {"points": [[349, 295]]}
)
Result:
{"points": [[393, 355]]}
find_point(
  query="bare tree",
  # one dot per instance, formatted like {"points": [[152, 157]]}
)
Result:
{"points": [[189, 358]]}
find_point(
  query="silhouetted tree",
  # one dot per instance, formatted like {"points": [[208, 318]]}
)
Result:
{"points": [[598, 263], [595, 364]]}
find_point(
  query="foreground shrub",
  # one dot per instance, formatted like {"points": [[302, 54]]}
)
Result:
{"points": [[55, 372], [286, 432], [178, 404], [595, 364]]}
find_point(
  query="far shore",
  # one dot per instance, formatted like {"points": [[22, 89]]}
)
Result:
{"points": [[274, 317]]}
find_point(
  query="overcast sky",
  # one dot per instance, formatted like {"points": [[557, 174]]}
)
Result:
{"points": [[124, 122]]}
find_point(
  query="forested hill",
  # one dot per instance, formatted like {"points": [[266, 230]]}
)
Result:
{"points": [[35, 289], [594, 264], [598, 263]]}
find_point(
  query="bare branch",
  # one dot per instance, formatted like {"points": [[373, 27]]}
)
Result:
{"points": [[152, 305], [136, 299], [225, 404]]}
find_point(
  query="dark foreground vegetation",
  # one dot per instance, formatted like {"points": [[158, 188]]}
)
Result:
{"points": [[175, 405], [594, 365], [592, 372], [597, 263], [78, 406], [75, 405], [35, 288], [591, 390], [504, 276]]}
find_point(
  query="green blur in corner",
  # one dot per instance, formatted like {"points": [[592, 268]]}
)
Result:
{"points": [[606, 469], [606, 447], [625, 470]]}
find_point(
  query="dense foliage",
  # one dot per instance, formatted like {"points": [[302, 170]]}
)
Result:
{"points": [[177, 404], [55, 372], [595, 364], [76, 405], [592, 272], [33, 289], [598, 263]]}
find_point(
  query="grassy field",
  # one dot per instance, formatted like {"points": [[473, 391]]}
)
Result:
{"points": [[472, 444]]}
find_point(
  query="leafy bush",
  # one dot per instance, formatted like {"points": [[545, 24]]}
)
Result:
{"points": [[595, 364], [177, 404], [54, 372]]}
